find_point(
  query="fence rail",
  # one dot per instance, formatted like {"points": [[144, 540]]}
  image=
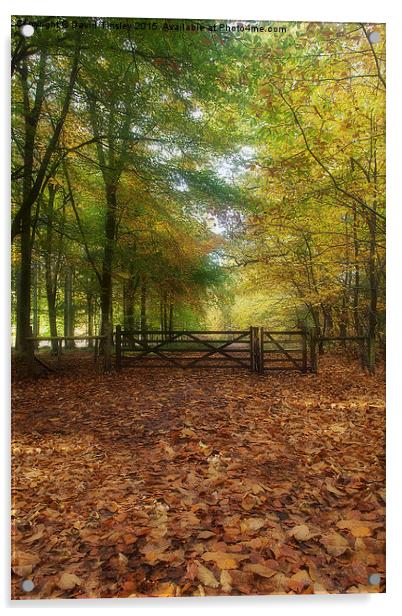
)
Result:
{"points": [[59, 346], [255, 348]]}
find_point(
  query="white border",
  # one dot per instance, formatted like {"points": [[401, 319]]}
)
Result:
{"points": [[296, 10]]}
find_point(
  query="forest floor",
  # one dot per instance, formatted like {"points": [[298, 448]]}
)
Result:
{"points": [[198, 482]]}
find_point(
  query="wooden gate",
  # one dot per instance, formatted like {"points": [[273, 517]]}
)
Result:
{"points": [[184, 349], [255, 349], [285, 350]]}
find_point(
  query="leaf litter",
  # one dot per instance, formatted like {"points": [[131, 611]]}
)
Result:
{"points": [[187, 483]]}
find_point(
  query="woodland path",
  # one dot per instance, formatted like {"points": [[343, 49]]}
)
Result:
{"points": [[164, 482]]}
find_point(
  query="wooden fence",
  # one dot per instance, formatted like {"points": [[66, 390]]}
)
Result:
{"points": [[254, 348], [59, 348]]}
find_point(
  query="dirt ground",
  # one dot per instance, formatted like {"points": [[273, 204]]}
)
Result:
{"points": [[199, 482]]}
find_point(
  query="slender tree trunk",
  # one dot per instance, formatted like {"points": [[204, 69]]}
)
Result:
{"points": [[33, 186], [165, 314], [372, 269], [90, 318], [51, 299], [171, 318], [36, 302], [161, 314], [143, 307], [108, 254], [31, 120], [69, 308], [52, 267], [344, 316], [356, 277], [373, 299], [131, 289]]}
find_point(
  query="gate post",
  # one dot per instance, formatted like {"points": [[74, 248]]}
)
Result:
{"points": [[256, 341], [304, 350], [256, 349], [261, 350], [313, 351], [118, 347], [251, 348]]}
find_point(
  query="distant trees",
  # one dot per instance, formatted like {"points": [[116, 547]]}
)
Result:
{"points": [[318, 233], [125, 144], [115, 136]]}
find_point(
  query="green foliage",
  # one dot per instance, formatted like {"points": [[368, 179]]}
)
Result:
{"points": [[214, 177]]}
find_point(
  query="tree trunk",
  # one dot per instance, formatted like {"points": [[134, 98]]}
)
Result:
{"points": [[69, 308], [130, 289], [52, 267], [90, 317], [36, 302], [171, 318], [143, 307], [372, 271], [31, 120], [373, 299], [108, 254], [32, 186], [161, 314]]}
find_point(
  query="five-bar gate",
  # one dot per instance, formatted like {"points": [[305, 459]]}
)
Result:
{"points": [[255, 348]]}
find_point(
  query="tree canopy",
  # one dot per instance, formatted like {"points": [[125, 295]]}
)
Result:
{"points": [[178, 178]]}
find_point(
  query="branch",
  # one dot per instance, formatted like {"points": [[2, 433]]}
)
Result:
{"points": [[362, 203], [380, 77], [80, 227]]}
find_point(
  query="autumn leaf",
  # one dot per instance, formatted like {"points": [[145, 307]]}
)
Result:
{"points": [[224, 560], [251, 524], [165, 589], [129, 538], [188, 433], [332, 488], [226, 581], [299, 581], [249, 501], [358, 528], [301, 533], [119, 562], [334, 543], [23, 563], [206, 576], [36, 536], [261, 570], [205, 534], [68, 581]]}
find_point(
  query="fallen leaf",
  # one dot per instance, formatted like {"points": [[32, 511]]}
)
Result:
{"points": [[334, 543], [68, 581], [164, 589], [358, 528], [37, 535], [249, 502], [299, 581], [261, 570], [224, 560], [251, 524], [206, 576], [226, 581], [301, 532], [23, 563], [205, 534]]}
